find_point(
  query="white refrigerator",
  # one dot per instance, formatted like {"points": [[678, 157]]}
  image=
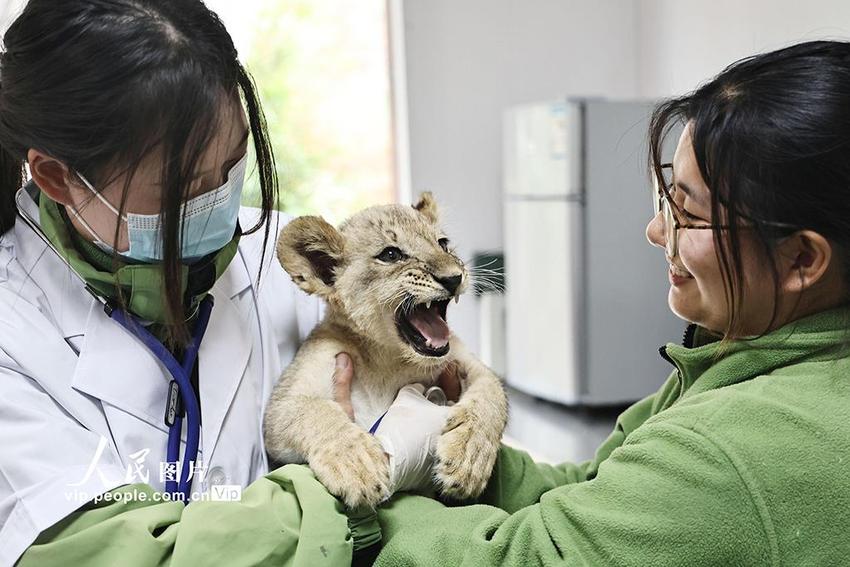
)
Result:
{"points": [[586, 294]]}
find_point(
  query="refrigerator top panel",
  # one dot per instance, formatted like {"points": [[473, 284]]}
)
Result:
{"points": [[542, 150]]}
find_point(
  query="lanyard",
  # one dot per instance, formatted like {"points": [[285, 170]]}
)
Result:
{"points": [[181, 373]]}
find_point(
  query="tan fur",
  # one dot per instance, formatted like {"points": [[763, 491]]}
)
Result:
{"points": [[303, 423]]}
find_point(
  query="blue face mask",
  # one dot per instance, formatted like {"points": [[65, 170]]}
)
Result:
{"points": [[207, 225]]}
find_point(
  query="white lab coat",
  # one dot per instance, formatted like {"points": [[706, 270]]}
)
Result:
{"points": [[70, 376]]}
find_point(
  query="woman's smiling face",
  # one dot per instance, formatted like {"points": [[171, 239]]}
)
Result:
{"points": [[696, 279]]}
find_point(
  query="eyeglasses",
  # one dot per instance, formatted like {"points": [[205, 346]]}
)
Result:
{"points": [[674, 217]]}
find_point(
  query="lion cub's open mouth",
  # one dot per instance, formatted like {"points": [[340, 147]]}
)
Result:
{"points": [[425, 329]]}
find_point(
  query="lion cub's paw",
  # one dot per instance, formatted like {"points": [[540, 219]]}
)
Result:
{"points": [[466, 453], [354, 469]]}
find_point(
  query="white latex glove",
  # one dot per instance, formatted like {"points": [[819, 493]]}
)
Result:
{"points": [[409, 432]]}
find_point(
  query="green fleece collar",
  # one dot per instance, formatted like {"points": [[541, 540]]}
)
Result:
{"points": [[701, 366], [142, 284]]}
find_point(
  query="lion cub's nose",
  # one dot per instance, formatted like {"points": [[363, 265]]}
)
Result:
{"points": [[451, 283]]}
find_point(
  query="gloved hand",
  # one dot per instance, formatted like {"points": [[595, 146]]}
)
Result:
{"points": [[410, 428], [409, 432]]}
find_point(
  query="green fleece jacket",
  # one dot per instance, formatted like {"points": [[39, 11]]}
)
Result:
{"points": [[743, 460]]}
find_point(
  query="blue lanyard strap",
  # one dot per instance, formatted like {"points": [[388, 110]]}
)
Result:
{"points": [[375, 425], [181, 374]]}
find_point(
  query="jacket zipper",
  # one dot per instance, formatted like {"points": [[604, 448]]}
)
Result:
{"points": [[663, 352]]}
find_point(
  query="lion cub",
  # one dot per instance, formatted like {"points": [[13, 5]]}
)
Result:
{"points": [[387, 276]]}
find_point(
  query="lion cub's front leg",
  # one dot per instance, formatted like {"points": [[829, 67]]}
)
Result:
{"points": [[467, 448], [347, 460]]}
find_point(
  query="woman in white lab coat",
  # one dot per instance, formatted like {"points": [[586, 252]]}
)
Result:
{"points": [[123, 111]]}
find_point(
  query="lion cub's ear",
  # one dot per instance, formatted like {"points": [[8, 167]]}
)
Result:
{"points": [[427, 206], [310, 250]]}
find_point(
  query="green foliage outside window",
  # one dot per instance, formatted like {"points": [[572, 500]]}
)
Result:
{"points": [[322, 71]]}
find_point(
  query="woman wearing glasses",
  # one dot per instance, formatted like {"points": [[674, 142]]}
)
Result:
{"points": [[743, 456]]}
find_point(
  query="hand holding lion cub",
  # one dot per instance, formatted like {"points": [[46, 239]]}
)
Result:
{"points": [[387, 276]]}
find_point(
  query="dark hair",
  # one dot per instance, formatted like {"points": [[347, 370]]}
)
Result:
{"points": [[771, 135], [98, 84]]}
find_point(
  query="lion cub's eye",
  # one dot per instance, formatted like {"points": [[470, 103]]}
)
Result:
{"points": [[391, 254], [444, 244]]}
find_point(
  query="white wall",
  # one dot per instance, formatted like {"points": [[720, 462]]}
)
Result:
{"points": [[682, 43], [469, 59]]}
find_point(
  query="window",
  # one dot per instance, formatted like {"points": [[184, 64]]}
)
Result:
{"points": [[322, 68]]}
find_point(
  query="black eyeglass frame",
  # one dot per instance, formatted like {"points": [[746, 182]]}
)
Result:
{"points": [[673, 215]]}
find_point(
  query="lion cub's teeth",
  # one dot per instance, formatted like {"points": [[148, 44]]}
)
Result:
{"points": [[428, 305]]}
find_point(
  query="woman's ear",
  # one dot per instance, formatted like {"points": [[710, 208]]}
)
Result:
{"points": [[51, 175], [804, 260], [311, 250]]}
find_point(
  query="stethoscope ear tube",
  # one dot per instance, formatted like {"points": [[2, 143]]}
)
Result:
{"points": [[30, 222]]}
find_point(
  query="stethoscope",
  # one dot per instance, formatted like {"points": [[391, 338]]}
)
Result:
{"points": [[181, 395]]}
